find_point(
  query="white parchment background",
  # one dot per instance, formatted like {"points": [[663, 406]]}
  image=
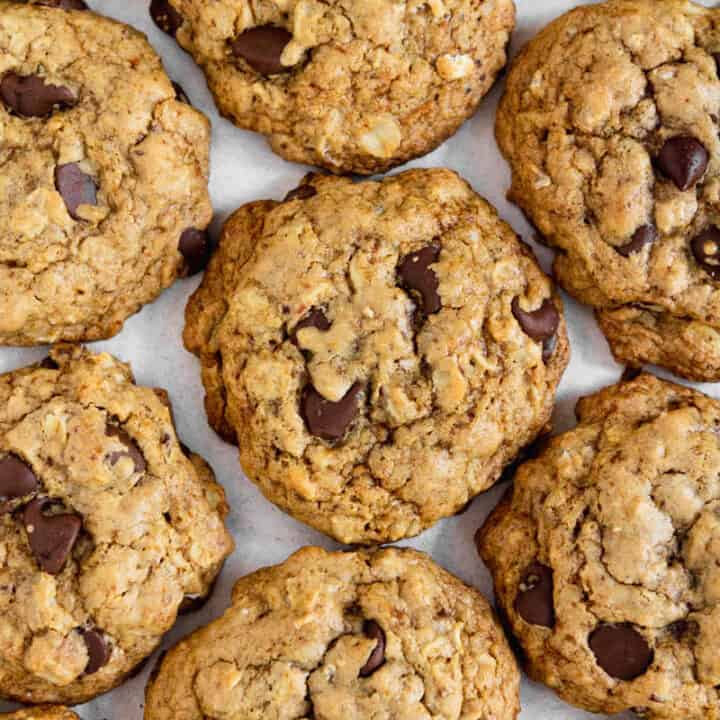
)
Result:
{"points": [[244, 169]]}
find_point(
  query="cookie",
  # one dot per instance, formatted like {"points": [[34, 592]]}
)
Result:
{"points": [[106, 526], [352, 87], [41, 713], [606, 554], [103, 194], [610, 123], [378, 350], [384, 634]]}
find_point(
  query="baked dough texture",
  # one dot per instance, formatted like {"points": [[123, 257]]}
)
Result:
{"points": [[41, 713], [610, 124], [103, 190], [343, 636], [107, 526], [378, 350], [606, 554], [350, 86]]}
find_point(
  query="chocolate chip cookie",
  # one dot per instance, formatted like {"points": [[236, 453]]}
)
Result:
{"points": [[610, 123], [41, 713], [103, 192], [387, 634], [107, 525], [353, 87], [379, 350], [606, 554]]}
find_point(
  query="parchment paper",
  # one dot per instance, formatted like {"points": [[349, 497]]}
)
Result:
{"points": [[244, 169]]}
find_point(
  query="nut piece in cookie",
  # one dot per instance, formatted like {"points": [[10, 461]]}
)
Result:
{"points": [[380, 351], [384, 634], [610, 123], [605, 554], [107, 526], [104, 200], [349, 86]]}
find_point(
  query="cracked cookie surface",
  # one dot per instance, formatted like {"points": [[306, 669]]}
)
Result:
{"points": [[103, 192], [349, 636], [606, 555], [41, 713], [379, 350], [107, 526], [349, 86], [610, 124]]}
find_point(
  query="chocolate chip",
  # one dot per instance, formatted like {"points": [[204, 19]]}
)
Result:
{"points": [[315, 318], [302, 192], [684, 160], [417, 275], [51, 537], [98, 651], [194, 246], [540, 325], [706, 249], [17, 480], [534, 602], [29, 96], [373, 631], [326, 419], [644, 235], [180, 94], [132, 450], [65, 4], [621, 651], [165, 16], [261, 48], [75, 187]]}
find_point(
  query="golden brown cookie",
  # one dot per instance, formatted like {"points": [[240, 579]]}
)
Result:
{"points": [[107, 526], [350, 86], [384, 634], [41, 713], [606, 554], [379, 350], [610, 123], [103, 191]]}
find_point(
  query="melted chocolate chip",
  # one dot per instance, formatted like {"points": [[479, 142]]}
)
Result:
{"points": [[131, 449], [534, 602], [29, 96], [180, 94], [165, 16], [621, 651], [194, 246], [75, 187], [417, 275], [65, 4], [644, 235], [302, 192], [17, 480], [51, 537], [98, 651], [373, 631], [315, 318], [706, 249], [684, 160], [262, 47], [540, 325], [326, 419]]}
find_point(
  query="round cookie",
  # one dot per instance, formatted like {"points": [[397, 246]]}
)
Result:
{"points": [[606, 554], [384, 634], [107, 526], [353, 87], [379, 350], [103, 194], [41, 713], [610, 123]]}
